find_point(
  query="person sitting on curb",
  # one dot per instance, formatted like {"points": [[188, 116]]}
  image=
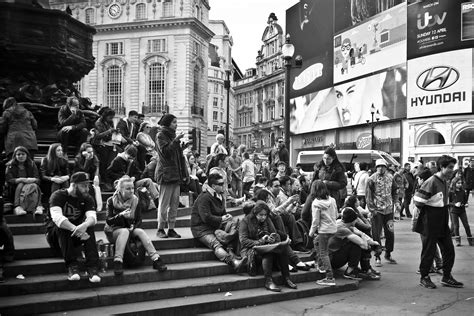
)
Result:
{"points": [[122, 220], [346, 245], [72, 124], [73, 213], [257, 229], [208, 215]]}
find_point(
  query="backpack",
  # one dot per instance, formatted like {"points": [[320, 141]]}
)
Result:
{"points": [[134, 254], [29, 197], [304, 232]]}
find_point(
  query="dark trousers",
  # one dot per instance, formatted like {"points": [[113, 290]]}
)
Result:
{"points": [[406, 204], [350, 253], [428, 253], [246, 189], [280, 258], [6, 240], [69, 246], [292, 230], [105, 154], [455, 217], [75, 137], [380, 221]]}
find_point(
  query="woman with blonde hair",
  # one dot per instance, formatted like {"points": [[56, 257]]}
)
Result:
{"points": [[123, 219]]}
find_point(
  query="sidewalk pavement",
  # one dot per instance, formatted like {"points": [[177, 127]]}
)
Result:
{"points": [[398, 292]]}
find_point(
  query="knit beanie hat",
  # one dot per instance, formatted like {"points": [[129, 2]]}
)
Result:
{"points": [[348, 215], [166, 120]]}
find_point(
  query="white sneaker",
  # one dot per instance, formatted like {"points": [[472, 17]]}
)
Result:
{"points": [[19, 211], [39, 210], [95, 279], [326, 282]]}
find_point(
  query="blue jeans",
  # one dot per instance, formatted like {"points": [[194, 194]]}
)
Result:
{"points": [[324, 254]]}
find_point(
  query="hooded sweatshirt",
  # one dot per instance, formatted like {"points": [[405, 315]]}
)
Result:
{"points": [[324, 216]]}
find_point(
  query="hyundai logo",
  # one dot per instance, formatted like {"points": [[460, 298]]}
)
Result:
{"points": [[437, 78]]}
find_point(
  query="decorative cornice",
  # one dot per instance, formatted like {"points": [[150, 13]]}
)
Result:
{"points": [[165, 23]]}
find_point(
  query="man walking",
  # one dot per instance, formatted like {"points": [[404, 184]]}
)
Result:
{"points": [[235, 168], [468, 176], [433, 223], [408, 190], [382, 197]]}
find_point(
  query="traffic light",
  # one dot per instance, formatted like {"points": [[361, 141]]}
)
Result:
{"points": [[192, 138]]}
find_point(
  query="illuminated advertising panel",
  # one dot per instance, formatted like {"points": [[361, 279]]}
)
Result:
{"points": [[350, 103], [375, 44], [436, 26], [440, 84], [310, 25]]}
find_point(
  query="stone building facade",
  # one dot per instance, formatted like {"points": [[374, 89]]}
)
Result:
{"points": [[151, 56]]}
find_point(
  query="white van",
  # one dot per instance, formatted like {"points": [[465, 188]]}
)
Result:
{"points": [[307, 159]]}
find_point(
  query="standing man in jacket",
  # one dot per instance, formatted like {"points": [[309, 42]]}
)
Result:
{"points": [[170, 173], [382, 197], [433, 223], [278, 153], [408, 190]]}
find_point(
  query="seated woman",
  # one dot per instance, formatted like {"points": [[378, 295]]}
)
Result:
{"points": [[122, 221], [194, 172], [86, 161], [22, 178], [257, 229], [54, 168], [146, 147]]}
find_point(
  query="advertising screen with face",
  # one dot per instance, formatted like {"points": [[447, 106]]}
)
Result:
{"points": [[310, 25], [440, 84], [350, 103], [436, 26], [377, 43]]}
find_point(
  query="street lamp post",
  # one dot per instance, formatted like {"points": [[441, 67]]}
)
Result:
{"points": [[227, 87], [372, 124], [287, 51]]}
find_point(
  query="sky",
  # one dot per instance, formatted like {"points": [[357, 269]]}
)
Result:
{"points": [[246, 20]]}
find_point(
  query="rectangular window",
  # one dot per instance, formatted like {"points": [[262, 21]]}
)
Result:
{"points": [[222, 103], [114, 87], [114, 48], [90, 16], [216, 87], [215, 101], [78, 86], [197, 49], [156, 88], [157, 45], [140, 11], [215, 128], [272, 91], [168, 8], [216, 73], [260, 114], [214, 115], [222, 117]]}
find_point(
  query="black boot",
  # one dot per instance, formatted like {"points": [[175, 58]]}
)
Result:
{"points": [[238, 265], [470, 240], [271, 286]]}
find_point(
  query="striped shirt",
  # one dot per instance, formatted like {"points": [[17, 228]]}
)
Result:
{"points": [[433, 192]]}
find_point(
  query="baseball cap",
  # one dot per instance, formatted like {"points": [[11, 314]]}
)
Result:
{"points": [[380, 162], [80, 177]]}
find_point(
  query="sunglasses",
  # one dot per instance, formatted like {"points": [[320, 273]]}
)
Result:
{"points": [[220, 183]]}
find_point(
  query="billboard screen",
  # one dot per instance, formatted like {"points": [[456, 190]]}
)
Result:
{"points": [[440, 84], [436, 26], [377, 43], [349, 103], [350, 13], [310, 25]]}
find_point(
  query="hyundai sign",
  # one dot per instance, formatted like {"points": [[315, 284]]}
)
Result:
{"points": [[440, 84]]}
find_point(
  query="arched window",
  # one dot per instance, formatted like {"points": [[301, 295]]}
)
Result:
{"points": [[140, 11], [465, 137], [198, 12], [114, 86], [196, 84], [156, 87], [168, 8], [90, 16], [431, 138]]}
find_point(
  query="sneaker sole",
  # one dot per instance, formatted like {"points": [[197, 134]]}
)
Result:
{"points": [[75, 277], [326, 284], [427, 287], [451, 285], [352, 278]]}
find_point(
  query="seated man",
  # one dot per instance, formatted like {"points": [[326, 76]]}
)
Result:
{"points": [[209, 215], [72, 124], [73, 213], [347, 245], [283, 208]]}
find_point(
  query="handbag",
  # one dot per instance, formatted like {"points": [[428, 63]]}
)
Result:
{"points": [[271, 248], [134, 254], [416, 221]]}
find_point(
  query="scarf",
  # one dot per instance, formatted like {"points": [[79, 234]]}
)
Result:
{"points": [[121, 205], [168, 131]]}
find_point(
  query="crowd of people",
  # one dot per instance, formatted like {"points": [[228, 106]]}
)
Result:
{"points": [[286, 210]]}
